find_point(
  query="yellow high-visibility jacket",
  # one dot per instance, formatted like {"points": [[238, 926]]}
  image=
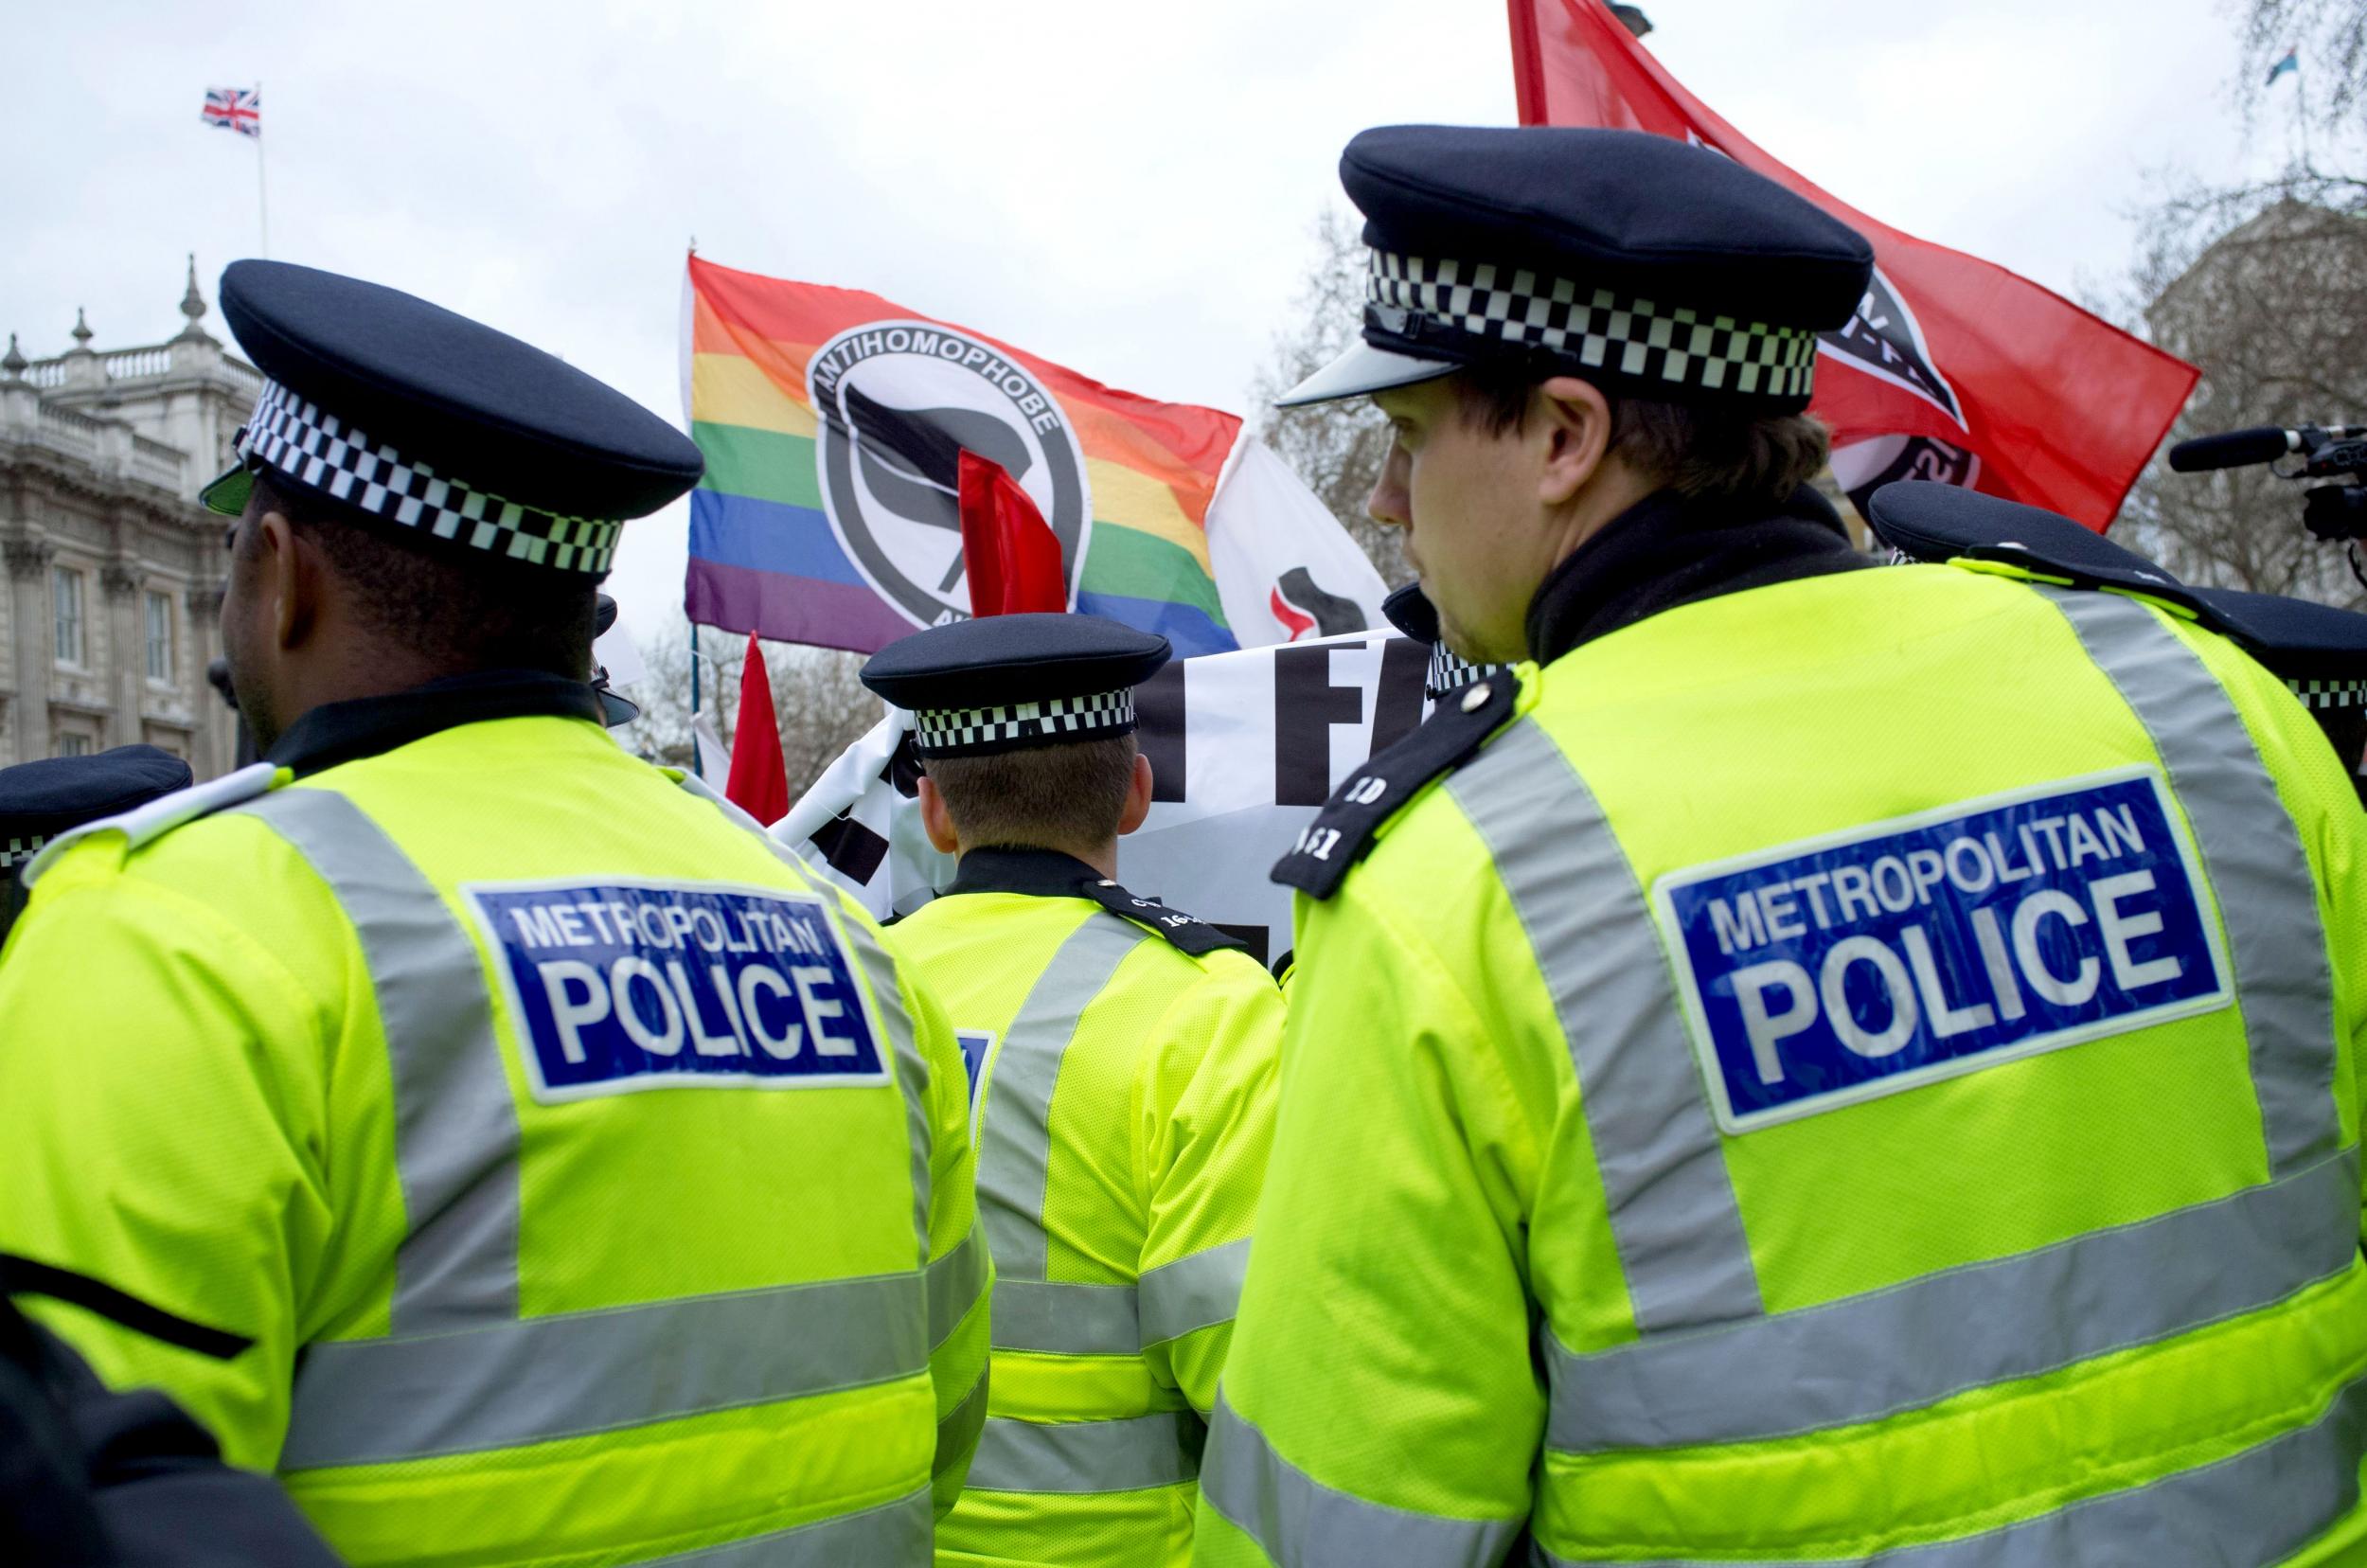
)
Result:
{"points": [[1859, 1070], [1125, 1063], [583, 1180]]}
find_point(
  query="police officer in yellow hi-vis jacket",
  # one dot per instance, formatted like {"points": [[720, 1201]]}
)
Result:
{"points": [[592, 1185], [1123, 1055], [1824, 1066]]}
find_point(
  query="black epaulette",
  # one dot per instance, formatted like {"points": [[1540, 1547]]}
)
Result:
{"points": [[1185, 932], [1341, 833]]}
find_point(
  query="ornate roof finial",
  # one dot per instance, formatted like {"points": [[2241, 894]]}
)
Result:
{"points": [[83, 334], [193, 307], [13, 361]]}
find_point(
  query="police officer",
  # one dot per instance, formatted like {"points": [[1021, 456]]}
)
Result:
{"points": [[1826, 1065], [90, 1477], [590, 1182], [1124, 1056], [42, 799]]}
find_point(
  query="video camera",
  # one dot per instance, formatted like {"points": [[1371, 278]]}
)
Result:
{"points": [[2333, 508]]}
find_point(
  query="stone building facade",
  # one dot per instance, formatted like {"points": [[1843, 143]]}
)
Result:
{"points": [[112, 605]]}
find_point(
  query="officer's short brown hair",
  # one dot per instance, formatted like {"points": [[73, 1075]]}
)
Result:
{"points": [[1700, 451], [1067, 797]]}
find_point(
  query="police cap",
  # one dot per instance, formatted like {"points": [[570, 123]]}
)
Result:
{"points": [[1009, 682], [1645, 265], [402, 415], [1411, 612], [39, 800], [1926, 520], [2319, 650]]}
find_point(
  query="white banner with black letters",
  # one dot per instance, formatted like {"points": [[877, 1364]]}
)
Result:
{"points": [[1244, 748]]}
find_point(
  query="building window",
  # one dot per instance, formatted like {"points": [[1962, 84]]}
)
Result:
{"points": [[65, 590], [160, 638], [73, 744]]}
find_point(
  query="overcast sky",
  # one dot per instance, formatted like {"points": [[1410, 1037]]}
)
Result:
{"points": [[1123, 189]]}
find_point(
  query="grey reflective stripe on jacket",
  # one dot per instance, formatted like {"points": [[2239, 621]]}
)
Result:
{"points": [[1712, 1365], [1193, 1293], [1299, 1523], [1128, 1455], [958, 1279], [893, 1532], [2253, 856], [2259, 1507], [460, 1370], [1030, 1311]]}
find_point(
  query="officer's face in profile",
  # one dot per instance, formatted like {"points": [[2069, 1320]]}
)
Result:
{"points": [[1488, 512]]}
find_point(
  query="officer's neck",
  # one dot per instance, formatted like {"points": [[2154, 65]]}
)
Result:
{"points": [[1103, 857]]}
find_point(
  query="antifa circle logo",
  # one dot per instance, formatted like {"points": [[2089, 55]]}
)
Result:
{"points": [[1885, 341], [897, 402], [1863, 467]]}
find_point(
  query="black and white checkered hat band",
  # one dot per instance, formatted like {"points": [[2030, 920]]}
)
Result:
{"points": [[1451, 671], [16, 851], [2330, 694], [318, 449], [1596, 328], [975, 732]]}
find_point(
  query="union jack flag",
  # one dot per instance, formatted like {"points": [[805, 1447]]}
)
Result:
{"points": [[235, 109]]}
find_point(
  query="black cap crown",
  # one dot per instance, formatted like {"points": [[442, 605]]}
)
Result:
{"points": [[1641, 263], [39, 800]]}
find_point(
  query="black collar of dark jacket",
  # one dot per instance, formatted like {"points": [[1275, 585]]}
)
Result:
{"points": [[1038, 873], [344, 732], [1666, 551]]}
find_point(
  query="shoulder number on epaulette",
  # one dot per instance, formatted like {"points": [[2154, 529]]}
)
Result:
{"points": [[1186, 933], [1341, 833]]}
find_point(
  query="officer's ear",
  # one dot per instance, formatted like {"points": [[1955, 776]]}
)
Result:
{"points": [[936, 820], [289, 576], [1137, 796], [1577, 432]]}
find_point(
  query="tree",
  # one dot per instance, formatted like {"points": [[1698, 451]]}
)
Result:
{"points": [[818, 697], [2330, 37], [1337, 448], [2264, 289]]}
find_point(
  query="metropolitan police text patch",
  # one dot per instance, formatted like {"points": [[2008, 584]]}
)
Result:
{"points": [[1835, 969], [620, 985]]}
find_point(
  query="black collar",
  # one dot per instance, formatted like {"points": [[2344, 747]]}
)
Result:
{"points": [[342, 732], [1666, 551], [1038, 873], [1049, 874]]}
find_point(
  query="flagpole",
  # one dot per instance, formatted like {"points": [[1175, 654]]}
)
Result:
{"points": [[262, 196], [2300, 113]]}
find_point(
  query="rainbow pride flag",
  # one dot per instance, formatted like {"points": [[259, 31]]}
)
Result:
{"points": [[832, 420]]}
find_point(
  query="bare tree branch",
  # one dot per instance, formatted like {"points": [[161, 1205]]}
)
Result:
{"points": [[1337, 448], [2264, 288]]}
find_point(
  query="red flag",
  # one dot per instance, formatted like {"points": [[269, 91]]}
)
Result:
{"points": [[1013, 559], [759, 784], [1954, 368]]}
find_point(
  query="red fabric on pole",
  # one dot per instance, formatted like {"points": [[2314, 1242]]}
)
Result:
{"points": [[1011, 554], [759, 784], [1956, 368]]}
